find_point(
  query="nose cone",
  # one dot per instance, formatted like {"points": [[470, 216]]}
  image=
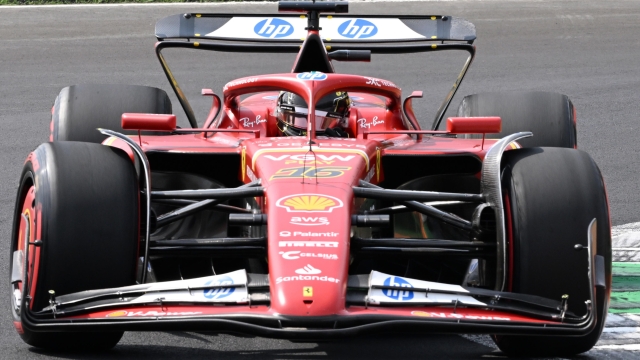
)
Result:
{"points": [[309, 232]]}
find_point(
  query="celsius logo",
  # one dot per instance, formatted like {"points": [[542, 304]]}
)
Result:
{"points": [[397, 294], [219, 293], [357, 29], [314, 75], [294, 255], [273, 28]]}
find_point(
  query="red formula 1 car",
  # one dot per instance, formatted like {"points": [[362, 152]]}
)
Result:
{"points": [[311, 204]]}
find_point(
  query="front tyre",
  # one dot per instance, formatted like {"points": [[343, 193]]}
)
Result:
{"points": [[81, 201], [551, 197]]}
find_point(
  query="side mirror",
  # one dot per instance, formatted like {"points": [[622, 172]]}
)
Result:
{"points": [[152, 122], [474, 125]]}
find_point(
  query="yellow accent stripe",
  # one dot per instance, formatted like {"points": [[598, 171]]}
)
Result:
{"points": [[306, 149], [244, 161], [110, 140], [378, 164]]}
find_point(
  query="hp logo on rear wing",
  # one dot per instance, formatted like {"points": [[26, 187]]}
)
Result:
{"points": [[357, 29], [273, 28]]}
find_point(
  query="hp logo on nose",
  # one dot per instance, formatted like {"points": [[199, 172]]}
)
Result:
{"points": [[273, 28], [219, 293], [401, 295], [357, 29], [313, 75]]}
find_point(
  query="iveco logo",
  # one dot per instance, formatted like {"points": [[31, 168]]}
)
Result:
{"points": [[273, 28], [357, 29]]}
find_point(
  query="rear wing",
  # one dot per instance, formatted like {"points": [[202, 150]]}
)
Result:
{"points": [[348, 37], [333, 28]]}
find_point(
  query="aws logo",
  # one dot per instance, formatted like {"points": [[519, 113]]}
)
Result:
{"points": [[309, 203]]}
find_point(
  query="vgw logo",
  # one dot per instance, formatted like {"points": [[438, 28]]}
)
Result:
{"points": [[219, 293], [357, 29], [273, 28], [397, 294], [313, 75]]}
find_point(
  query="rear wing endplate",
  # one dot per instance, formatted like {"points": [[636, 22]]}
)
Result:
{"points": [[334, 28]]}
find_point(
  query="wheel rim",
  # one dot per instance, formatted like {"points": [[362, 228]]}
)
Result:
{"points": [[24, 274]]}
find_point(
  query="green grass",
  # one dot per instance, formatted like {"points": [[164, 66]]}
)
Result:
{"points": [[625, 292], [53, 2]]}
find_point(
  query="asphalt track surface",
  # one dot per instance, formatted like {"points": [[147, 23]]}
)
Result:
{"points": [[587, 49]]}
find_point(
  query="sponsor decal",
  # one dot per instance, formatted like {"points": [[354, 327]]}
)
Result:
{"points": [[252, 176], [370, 174], [457, 316], [309, 221], [124, 313], [307, 278], [367, 125], [246, 122], [379, 82], [323, 147], [302, 172], [308, 270], [296, 254], [239, 82], [401, 295], [307, 291], [322, 244], [273, 28], [309, 234], [309, 203], [357, 29], [313, 75], [302, 159], [219, 293]]}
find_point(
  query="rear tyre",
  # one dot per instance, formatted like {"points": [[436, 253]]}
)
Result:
{"points": [[81, 201], [551, 196], [550, 116], [80, 109]]}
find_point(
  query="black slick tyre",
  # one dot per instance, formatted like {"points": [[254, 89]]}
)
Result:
{"points": [[81, 201], [551, 197], [550, 116], [80, 109]]}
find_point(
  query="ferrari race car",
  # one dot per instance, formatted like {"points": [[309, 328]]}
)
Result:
{"points": [[310, 204]]}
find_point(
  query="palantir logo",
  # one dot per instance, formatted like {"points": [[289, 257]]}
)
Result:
{"points": [[357, 29], [221, 292], [273, 28], [313, 75], [394, 294]]}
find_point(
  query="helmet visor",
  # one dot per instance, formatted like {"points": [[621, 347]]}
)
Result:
{"points": [[297, 117]]}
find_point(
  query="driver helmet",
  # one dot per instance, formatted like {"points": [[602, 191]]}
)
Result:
{"points": [[331, 111]]}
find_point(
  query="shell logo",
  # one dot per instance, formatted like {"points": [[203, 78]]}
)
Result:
{"points": [[117, 313], [309, 203]]}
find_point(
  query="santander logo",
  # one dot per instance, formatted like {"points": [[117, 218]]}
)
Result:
{"points": [[308, 270]]}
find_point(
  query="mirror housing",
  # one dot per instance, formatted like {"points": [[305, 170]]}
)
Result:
{"points": [[474, 125], [152, 122]]}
